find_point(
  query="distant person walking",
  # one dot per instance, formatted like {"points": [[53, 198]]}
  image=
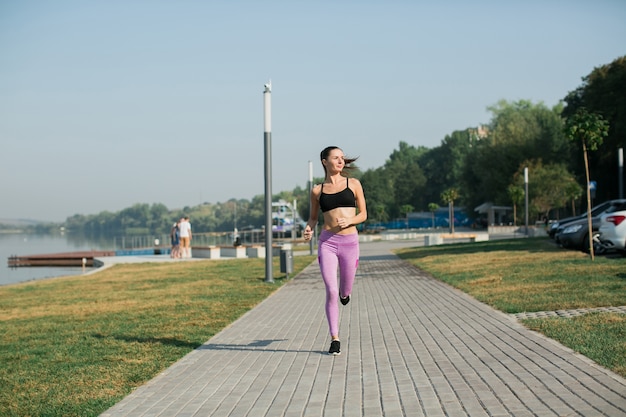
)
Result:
{"points": [[343, 206], [184, 230], [175, 240]]}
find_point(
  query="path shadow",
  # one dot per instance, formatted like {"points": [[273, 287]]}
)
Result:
{"points": [[389, 257], [256, 346], [162, 340]]}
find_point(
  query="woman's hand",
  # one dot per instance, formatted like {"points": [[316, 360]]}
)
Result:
{"points": [[343, 222], [308, 233]]}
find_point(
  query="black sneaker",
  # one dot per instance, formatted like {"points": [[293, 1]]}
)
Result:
{"points": [[344, 301], [335, 348]]}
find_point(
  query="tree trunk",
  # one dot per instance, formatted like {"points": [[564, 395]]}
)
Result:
{"points": [[589, 222], [451, 214]]}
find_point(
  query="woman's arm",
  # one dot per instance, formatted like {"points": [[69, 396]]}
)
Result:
{"points": [[315, 208], [361, 215]]}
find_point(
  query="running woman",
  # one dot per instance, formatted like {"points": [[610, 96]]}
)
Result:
{"points": [[343, 207]]}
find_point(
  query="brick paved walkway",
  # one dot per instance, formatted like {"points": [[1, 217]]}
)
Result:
{"points": [[411, 346]]}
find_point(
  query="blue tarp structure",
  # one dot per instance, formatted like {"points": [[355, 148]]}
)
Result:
{"points": [[424, 220]]}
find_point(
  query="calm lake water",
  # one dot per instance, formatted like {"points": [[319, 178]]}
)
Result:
{"points": [[28, 244]]}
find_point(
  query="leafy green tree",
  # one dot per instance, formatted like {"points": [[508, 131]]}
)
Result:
{"points": [[573, 191], [404, 177], [376, 187], [551, 186], [134, 219], [400, 181], [405, 209], [256, 211], [518, 131], [516, 194], [589, 129], [433, 207], [158, 219], [448, 197], [379, 213], [603, 91], [443, 165]]}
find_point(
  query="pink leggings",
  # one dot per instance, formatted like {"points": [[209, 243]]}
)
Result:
{"points": [[334, 251]]}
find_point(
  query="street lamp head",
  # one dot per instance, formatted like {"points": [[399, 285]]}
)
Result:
{"points": [[268, 87]]}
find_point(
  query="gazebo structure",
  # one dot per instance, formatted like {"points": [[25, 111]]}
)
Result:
{"points": [[496, 215]]}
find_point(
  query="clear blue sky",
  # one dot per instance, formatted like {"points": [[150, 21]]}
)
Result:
{"points": [[104, 104]]}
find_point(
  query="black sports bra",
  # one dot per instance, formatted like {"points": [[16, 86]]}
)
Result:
{"points": [[344, 198]]}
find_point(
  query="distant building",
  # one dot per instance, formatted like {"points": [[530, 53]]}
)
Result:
{"points": [[495, 215]]}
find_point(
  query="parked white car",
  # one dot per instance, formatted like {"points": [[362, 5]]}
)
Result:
{"points": [[613, 230]]}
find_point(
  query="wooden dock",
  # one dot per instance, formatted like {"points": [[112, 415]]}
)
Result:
{"points": [[58, 259]]}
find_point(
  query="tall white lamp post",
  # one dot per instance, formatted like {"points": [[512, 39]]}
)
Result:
{"points": [[620, 163], [267, 139]]}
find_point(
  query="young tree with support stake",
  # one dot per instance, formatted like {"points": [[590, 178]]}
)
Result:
{"points": [[405, 209], [516, 194], [590, 129], [448, 197], [433, 207]]}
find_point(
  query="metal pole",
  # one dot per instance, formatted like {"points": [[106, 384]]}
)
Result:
{"points": [[294, 228], [267, 138], [620, 162], [526, 197], [310, 205]]}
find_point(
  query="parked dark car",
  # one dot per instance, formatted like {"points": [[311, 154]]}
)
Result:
{"points": [[574, 234], [598, 210]]}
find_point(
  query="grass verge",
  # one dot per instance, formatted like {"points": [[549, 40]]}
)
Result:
{"points": [[75, 346], [598, 336], [528, 275]]}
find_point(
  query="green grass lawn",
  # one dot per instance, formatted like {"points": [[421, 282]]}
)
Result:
{"points": [[75, 346]]}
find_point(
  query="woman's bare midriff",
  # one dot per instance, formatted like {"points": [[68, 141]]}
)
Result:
{"points": [[331, 220]]}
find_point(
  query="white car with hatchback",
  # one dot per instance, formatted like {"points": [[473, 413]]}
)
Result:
{"points": [[613, 231]]}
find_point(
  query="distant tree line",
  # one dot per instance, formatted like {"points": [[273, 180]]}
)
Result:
{"points": [[470, 167], [486, 163], [156, 219]]}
